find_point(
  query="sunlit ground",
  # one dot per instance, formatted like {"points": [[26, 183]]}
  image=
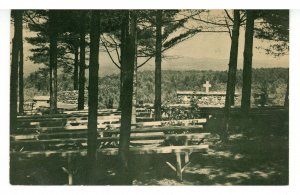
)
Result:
{"points": [[241, 161]]}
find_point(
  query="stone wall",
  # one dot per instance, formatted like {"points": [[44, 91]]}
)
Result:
{"points": [[208, 100]]}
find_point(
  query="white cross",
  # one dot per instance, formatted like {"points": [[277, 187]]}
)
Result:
{"points": [[207, 86]]}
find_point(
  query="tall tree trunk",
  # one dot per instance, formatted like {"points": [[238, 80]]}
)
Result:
{"points": [[93, 92], [232, 67], [121, 84], [126, 99], [158, 47], [134, 92], [230, 91], [82, 62], [17, 15], [286, 99], [76, 53], [124, 33], [247, 69], [21, 65], [53, 60]]}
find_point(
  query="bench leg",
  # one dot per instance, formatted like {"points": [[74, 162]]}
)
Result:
{"points": [[70, 175], [186, 157], [70, 179], [69, 170], [178, 166]]}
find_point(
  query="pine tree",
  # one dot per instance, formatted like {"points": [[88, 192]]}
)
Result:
{"points": [[82, 61], [21, 72], [158, 53], [231, 80], [53, 35], [93, 93], [247, 68], [16, 45], [129, 23]]}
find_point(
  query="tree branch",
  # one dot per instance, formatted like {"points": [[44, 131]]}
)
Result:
{"points": [[228, 15], [142, 64], [111, 58], [243, 18], [209, 22], [116, 47], [229, 30], [34, 22]]}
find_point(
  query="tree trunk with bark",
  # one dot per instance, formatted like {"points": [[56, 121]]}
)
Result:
{"points": [[82, 62], [16, 43], [93, 93], [124, 33], [76, 53], [230, 91], [232, 67], [126, 98], [21, 72], [247, 69], [286, 99], [53, 60], [158, 47], [134, 92]]}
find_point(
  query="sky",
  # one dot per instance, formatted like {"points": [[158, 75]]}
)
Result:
{"points": [[207, 46], [217, 45]]}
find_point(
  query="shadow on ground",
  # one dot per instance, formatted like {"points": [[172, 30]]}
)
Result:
{"points": [[241, 161], [257, 155]]}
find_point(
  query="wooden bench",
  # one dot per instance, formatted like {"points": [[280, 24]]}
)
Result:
{"points": [[154, 137], [69, 143], [178, 151], [57, 124], [49, 133], [80, 123], [170, 139]]}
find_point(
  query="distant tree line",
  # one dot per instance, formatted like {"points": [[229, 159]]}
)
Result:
{"points": [[274, 79]]}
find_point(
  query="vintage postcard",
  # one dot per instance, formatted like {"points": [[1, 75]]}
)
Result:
{"points": [[149, 97]]}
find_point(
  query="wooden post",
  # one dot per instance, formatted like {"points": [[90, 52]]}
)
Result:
{"points": [[178, 166]]}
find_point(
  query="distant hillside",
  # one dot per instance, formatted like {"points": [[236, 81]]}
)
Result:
{"points": [[188, 63], [179, 64]]}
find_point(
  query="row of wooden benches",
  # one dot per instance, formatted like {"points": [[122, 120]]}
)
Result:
{"points": [[149, 138], [77, 123]]}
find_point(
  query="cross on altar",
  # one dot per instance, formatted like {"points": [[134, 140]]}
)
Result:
{"points": [[207, 86]]}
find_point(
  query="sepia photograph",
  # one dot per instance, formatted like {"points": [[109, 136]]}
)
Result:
{"points": [[159, 97]]}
